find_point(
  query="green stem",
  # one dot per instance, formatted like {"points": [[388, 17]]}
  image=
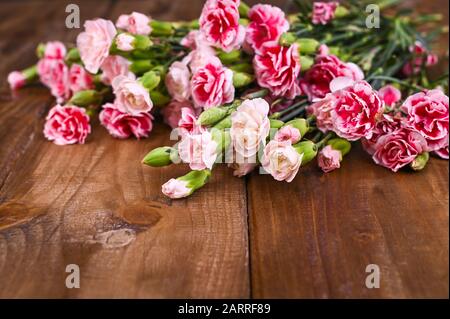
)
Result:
{"points": [[395, 80], [324, 140]]}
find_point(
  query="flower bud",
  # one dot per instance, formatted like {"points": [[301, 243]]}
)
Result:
{"points": [[40, 50], [129, 42], [224, 123], [308, 149], [161, 28], [73, 56], [229, 57], [274, 123], [306, 62], [150, 80], [307, 45], [222, 138], [301, 124], [341, 12], [212, 115], [242, 67], [185, 185], [196, 179], [86, 98], [241, 79], [420, 161], [161, 156], [158, 98], [287, 39], [140, 66], [341, 145], [243, 10]]}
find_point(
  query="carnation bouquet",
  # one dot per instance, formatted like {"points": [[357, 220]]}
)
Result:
{"points": [[254, 87]]}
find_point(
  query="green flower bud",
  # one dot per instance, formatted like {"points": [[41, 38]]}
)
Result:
{"points": [[225, 123], [308, 149], [300, 124], [243, 9], [161, 156], [222, 138], [194, 24], [341, 12], [142, 42], [161, 28], [241, 79], [242, 67], [274, 123], [150, 80], [306, 62], [341, 145], [287, 39], [307, 45], [158, 98], [212, 115], [196, 179], [86, 98], [40, 50], [73, 55], [420, 161], [140, 66], [244, 22], [229, 57]]}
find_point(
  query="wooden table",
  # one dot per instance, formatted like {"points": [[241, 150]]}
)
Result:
{"points": [[96, 206]]}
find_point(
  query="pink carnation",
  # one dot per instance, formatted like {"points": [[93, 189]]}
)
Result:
{"points": [[67, 125], [442, 153], [428, 113], [172, 112], [135, 23], [16, 80], [390, 94], [421, 58], [323, 12], [212, 85], [54, 74], [316, 83], [329, 159], [177, 81], [288, 133], [267, 23], [113, 66], [277, 68], [281, 160], [322, 111], [356, 111], [399, 148], [175, 188], [131, 96], [386, 125], [55, 50], [198, 149], [79, 79], [124, 125], [94, 43], [219, 23]]}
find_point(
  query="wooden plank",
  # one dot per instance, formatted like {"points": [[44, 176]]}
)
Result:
{"points": [[313, 238], [96, 206]]}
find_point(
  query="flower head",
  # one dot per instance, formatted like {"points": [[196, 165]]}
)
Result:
{"points": [[123, 125], [67, 125], [277, 68], [131, 96], [94, 43]]}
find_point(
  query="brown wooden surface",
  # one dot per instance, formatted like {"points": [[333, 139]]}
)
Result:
{"points": [[94, 205]]}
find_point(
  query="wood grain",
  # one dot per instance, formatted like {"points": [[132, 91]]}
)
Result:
{"points": [[94, 205]]}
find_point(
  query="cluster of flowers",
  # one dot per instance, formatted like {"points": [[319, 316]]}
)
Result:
{"points": [[240, 88]]}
